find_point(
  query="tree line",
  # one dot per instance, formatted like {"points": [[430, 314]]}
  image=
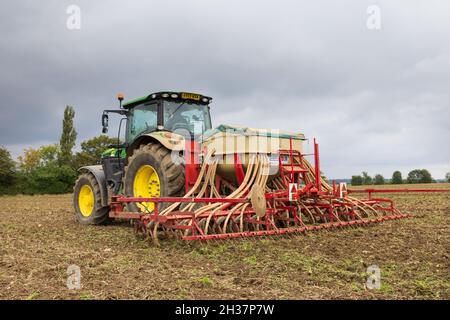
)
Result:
{"points": [[51, 169], [414, 176]]}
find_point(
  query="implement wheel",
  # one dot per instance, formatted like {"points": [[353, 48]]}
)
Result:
{"points": [[87, 201], [152, 173]]}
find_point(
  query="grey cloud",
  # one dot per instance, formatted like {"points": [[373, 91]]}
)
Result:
{"points": [[377, 100]]}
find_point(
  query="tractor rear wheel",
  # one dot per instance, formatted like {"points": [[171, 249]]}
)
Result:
{"points": [[151, 172], [87, 201]]}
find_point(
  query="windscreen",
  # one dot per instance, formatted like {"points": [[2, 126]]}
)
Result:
{"points": [[188, 116]]}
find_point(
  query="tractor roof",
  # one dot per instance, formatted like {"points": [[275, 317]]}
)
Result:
{"points": [[169, 95]]}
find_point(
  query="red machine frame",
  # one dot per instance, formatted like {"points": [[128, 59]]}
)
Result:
{"points": [[332, 207]]}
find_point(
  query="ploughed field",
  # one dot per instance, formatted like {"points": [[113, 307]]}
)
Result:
{"points": [[39, 239]]}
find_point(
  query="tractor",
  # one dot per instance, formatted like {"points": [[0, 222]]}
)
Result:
{"points": [[174, 175], [143, 164]]}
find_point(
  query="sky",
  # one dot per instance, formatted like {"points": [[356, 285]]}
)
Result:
{"points": [[369, 79]]}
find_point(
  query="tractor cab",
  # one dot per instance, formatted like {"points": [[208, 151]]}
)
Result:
{"points": [[184, 113], [166, 118], [180, 112]]}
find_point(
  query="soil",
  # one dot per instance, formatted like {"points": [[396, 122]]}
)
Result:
{"points": [[40, 239]]}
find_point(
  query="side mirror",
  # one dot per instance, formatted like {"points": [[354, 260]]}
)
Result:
{"points": [[105, 120]]}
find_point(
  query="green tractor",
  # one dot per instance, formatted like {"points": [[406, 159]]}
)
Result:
{"points": [[174, 176], [158, 126]]}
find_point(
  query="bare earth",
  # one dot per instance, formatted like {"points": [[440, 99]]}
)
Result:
{"points": [[39, 239]]}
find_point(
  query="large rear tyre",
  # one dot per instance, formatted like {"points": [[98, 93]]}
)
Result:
{"points": [[152, 173], [87, 201]]}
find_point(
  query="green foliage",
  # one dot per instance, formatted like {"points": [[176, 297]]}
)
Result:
{"points": [[92, 149], [366, 178], [51, 179], [357, 181], [68, 137], [30, 160], [7, 170], [379, 179], [397, 178], [206, 281], [447, 176], [49, 154], [34, 295], [33, 159], [419, 176], [252, 260], [48, 179], [47, 170], [85, 296]]}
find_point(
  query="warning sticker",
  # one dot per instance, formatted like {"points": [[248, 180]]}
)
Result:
{"points": [[274, 159], [293, 188]]}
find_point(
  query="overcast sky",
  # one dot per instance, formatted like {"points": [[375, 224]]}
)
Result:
{"points": [[376, 99]]}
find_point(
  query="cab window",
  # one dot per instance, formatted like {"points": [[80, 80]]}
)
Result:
{"points": [[143, 118]]}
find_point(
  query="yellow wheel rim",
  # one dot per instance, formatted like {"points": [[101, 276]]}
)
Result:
{"points": [[147, 185], [86, 200]]}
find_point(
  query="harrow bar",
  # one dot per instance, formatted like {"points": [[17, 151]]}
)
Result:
{"points": [[304, 229]]}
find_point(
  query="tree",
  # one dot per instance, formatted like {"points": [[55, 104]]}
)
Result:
{"points": [[419, 176], [379, 179], [30, 160], [35, 158], [397, 178], [49, 154], [366, 178], [7, 168], [41, 173], [357, 180], [68, 137], [92, 149], [96, 146], [447, 176]]}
